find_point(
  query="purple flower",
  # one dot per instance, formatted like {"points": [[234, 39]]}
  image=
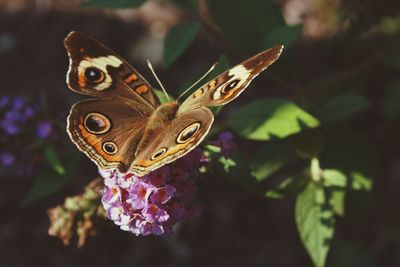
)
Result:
{"points": [[119, 216], [29, 112], [226, 143], [163, 194], [127, 180], [148, 228], [111, 194], [155, 214], [7, 158], [154, 203], [11, 123], [44, 129], [139, 194], [18, 103], [159, 176]]}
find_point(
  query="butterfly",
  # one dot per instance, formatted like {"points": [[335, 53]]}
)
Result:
{"points": [[124, 126]]}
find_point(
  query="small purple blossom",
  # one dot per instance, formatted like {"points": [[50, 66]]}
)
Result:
{"points": [[12, 122], [139, 194], [155, 214], [7, 158], [148, 228], [226, 143], [154, 203], [18, 103], [44, 129], [29, 112], [21, 124], [162, 194]]}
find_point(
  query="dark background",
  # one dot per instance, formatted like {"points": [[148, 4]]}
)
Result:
{"points": [[236, 228]]}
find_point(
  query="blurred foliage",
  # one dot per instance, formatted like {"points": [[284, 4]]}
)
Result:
{"points": [[178, 40], [78, 213]]}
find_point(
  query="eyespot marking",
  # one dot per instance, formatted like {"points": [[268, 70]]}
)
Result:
{"points": [[110, 148], [96, 123], [159, 153], [231, 85], [94, 75], [89, 69], [187, 133]]}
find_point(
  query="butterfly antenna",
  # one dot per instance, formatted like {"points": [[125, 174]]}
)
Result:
{"points": [[158, 80], [199, 80]]}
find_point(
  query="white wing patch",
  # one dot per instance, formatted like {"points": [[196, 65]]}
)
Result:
{"points": [[100, 63], [239, 73]]}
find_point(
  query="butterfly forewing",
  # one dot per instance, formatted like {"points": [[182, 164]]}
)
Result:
{"points": [[231, 83], [96, 70]]}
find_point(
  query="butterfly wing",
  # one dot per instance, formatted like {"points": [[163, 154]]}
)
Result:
{"points": [[95, 70], [228, 85], [107, 131], [175, 139]]}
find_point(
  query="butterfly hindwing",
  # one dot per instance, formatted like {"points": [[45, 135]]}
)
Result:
{"points": [[172, 141], [107, 131]]}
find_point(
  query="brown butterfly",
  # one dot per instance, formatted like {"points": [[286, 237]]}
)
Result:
{"points": [[125, 126]]}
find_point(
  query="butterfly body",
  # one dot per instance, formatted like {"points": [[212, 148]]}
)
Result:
{"points": [[124, 126]]}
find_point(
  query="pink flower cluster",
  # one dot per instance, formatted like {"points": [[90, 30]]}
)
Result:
{"points": [[154, 203]]}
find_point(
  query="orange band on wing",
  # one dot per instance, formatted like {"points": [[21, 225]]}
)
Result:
{"points": [[142, 89], [95, 144], [131, 78], [81, 80]]}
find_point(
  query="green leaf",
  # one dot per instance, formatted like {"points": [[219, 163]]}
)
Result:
{"points": [[290, 186], [246, 23], [334, 178], [315, 222], [283, 34], [271, 157], [162, 97], [52, 158], [269, 118], [113, 3], [48, 181], [390, 25], [337, 182], [337, 201], [360, 181], [178, 40], [213, 149], [343, 107]]}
